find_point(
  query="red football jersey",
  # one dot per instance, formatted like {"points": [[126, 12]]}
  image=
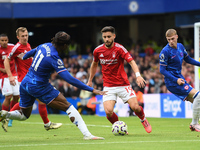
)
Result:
{"points": [[3, 53], [22, 65], [112, 61]]}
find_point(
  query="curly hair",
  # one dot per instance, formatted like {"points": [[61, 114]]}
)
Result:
{"points": [[61, 38]]}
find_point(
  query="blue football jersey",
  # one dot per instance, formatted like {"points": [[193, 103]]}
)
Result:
{"points": [[172, 59], [45, 61]]}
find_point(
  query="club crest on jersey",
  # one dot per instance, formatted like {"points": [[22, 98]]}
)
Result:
{"points": [[113, 54], [181, 54], [60, 62], [162, 57], [186, 87]]}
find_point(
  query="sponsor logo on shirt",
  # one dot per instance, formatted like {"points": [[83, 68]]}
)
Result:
{"points": [[108, 61], [3, 55]]}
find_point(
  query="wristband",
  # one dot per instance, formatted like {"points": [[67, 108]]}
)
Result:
{"points": [[137, 74]]}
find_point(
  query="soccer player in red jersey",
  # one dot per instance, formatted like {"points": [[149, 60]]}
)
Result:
{"points": [[111, 56], [10, 92], [22, 68]]}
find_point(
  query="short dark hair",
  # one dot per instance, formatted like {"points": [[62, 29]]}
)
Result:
{"points": [[108, 29], [61, 38], [3, 35]]}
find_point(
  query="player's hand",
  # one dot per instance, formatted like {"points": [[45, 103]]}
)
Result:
{"points": [[180, 81], [140, 82], [12, 80], [98, 92], [89, 83]]}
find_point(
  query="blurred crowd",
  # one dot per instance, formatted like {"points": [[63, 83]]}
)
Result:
{"points": [[145, 55]]}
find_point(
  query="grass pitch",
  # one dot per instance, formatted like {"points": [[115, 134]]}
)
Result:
{"points": [[167, 134]]}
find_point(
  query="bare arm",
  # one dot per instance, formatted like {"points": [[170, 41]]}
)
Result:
{"points": [[8, 71], [139, 79], [93, 70], [3, 70], [7, 66]]}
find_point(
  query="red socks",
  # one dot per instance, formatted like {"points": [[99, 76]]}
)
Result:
{"points": [[43, 112], [12, 103], [113, 118], [140, 114], [5, 107], [15, 107]]}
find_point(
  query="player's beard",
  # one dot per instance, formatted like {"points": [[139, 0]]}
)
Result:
{"points": [[109, 44]]}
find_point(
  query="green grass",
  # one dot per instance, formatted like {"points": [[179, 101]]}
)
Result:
{"points": [[167, 134]]}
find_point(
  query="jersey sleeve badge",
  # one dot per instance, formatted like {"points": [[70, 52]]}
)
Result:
{"points": [[162, 58], [60, 63]]}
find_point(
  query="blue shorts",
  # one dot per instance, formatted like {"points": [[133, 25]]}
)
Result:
{"points": [[181, 91], [29, 92]]}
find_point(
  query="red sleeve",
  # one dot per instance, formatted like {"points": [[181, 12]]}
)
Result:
{"points": [[13, 53], [126, 55], [95, 56]]}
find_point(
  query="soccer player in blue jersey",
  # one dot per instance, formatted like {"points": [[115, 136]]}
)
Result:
{"points": [[171, 58], [36, 84]]}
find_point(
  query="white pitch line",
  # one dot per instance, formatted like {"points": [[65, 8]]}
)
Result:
{"points": [[88, 143], [68, 124]]}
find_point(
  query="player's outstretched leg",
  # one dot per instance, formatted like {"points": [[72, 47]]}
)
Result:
{"points": [[143, 120], [195, 127], [76, 119]]}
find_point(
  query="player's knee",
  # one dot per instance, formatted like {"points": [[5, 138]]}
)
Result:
{"points": [[8, 97], [109, 113], [135, 108], [16, 98], [23, 117]]}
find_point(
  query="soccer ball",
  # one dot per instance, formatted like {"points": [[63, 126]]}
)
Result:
{"points": [[119, 128]]}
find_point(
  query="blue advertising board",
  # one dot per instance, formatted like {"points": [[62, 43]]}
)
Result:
{"points": [[92, 8], [99, 107], [171, 106]]}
